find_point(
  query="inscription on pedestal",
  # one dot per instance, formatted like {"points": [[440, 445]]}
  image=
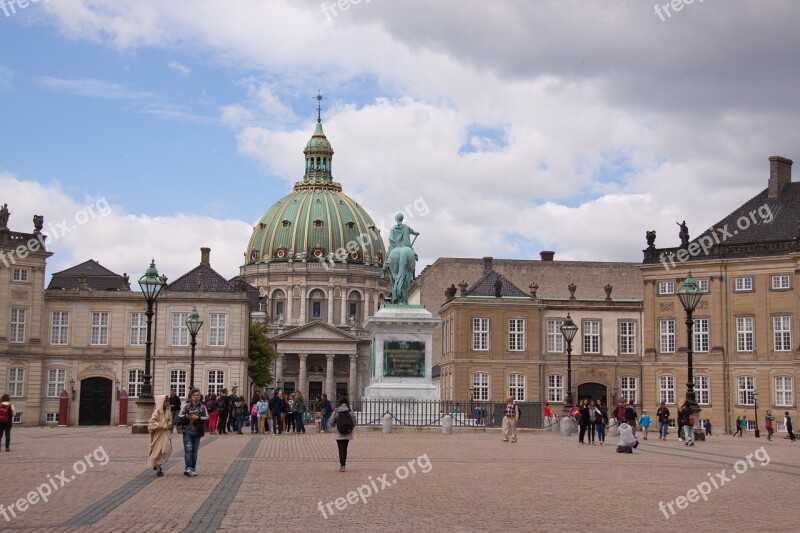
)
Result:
{"points": [[404, 359]]}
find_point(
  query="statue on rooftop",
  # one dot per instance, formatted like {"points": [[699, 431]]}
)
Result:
{"points": [[4, 214]]}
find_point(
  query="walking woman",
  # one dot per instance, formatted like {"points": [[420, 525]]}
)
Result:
{"points": [[768, 420], [300, 411], [343, 429], [261, 412], [7, 413], [213, 415], [192, 416], [594, 416], [160, 436], [601, 422]]}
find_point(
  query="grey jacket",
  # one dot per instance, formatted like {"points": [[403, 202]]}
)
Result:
{"points": [[332, 423]]}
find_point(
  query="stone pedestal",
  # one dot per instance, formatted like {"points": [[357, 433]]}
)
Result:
{"points": [[401, 353], [144, 409]]}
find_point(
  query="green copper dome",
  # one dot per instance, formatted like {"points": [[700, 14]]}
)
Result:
{"points": [[316, 221]]}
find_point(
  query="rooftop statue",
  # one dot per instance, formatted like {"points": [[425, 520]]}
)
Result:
{"points": [[4, 214], [400, 260]]}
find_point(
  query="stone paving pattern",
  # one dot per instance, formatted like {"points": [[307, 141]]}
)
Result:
{"points": [[545, 482]]}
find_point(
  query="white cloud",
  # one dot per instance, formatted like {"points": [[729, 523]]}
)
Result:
{"points": [[182, 69], [93, 88]]}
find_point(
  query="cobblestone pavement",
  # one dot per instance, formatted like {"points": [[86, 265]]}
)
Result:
{"points": [[411, 481]]}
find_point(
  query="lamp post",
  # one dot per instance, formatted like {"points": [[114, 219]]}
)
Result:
{"points": [[194, 323], [151, 284], [757, 433], [568, 330], [690, 295]]}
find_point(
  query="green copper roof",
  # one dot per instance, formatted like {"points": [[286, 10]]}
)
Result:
{"points": [[316, 219]]}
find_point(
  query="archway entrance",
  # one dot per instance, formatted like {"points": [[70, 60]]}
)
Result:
{"points": [[593, 391], [95, 409]]}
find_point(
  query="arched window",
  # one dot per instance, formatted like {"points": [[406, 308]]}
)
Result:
{"points": [[278, 305], [317, 305], [354, 307]]}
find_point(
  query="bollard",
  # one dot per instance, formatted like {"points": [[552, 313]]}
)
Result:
{"points": [[123, 408], [63, 409], [447, 425], [387, 423]]}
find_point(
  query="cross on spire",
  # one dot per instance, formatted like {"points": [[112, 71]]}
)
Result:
{"points": [[319, 98]]}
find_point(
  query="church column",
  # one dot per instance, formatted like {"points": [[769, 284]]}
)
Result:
{"points": [[302, 386], [330, 305], [329, 387], [352, 389], [303, 318], [279, 368], [287, 319], [344, 306]]}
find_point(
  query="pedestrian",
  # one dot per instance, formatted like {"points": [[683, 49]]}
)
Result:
{"points": [[627, 442], [299, 412], [594, 415], [548, 415], [687, 420], [327, 410], [343, 421], [262, 408], [512, 414], [662, 414], [232, 416], [160, 429], [768, 421], [787, 422], [601, 422], [290, 412], [619, 412], [707, 426], [644, 421], [7, 413], [175, 408], [318, 413], [240, 408], [213, 415], [739, 428], [679, 421], [275, 408], [743, 425], [583, 420], [630, 416], [193, 415], [222, 409]]}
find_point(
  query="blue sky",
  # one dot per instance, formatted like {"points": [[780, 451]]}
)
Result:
{"points": [[576, 131]]}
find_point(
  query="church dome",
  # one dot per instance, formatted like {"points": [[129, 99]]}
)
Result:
{"points": [[316, 221]]}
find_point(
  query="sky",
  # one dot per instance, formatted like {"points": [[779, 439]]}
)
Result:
{"points": [[149, 129]]}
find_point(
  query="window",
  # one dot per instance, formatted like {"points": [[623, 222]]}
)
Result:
{"points": [[591, 336], [180, 333], [55, 382], [667, 335], [316, 309], [18, 417], [628, 388], [627, 337], [782, 333], [744, 334], [16, 382], [135, 382], [780, 282], [20, 274], [99, 328], [59, 325], [216, 330], [555, 340], [277, 303], [702, 284], [555, 388], [516, 387], [480, 334], [666, 287], [784, 391], [480, 387], [516, 334], [17, 325], [700, 333], [666, 389], [743, 284], [216, 379], [701, 393], [138, 329], [177, 382], [747, 384], [51, 417]]}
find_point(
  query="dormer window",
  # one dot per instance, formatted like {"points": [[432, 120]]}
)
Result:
{"points": [[286, 223], [317, 224], [350, 225]]}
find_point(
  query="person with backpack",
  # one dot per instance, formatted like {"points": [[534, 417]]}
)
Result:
{"points": [[262, 407], [240, 408], [7, 413], [343, 421], [193, 417]]}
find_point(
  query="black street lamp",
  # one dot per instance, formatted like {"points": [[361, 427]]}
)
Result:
{"points": [[151, 284], [194, 323], [690, 295], [757, 433], [568, 330]]}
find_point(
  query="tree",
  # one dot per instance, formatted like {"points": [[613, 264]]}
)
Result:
{"points": [[262, 354]]}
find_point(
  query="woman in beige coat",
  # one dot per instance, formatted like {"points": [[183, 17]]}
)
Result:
{"points": [[160, 441]]}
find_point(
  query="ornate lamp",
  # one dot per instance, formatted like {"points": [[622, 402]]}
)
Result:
{"points": [[690, 295], [569, 329]]}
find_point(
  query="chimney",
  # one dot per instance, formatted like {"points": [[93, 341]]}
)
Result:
{"points": [[487, 265], [547, 255], [205, 256], [780, 175]]}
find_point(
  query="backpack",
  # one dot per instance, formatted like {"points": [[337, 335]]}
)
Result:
{"points": [[254, 409], [345, 422], [262, 408], [4, 409], [240, 410]]}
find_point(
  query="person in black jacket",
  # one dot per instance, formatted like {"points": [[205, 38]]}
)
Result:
{"points": [[684, 416], [175, 408], [232, 399], [584, 420], [222, 409], [276, 408]]}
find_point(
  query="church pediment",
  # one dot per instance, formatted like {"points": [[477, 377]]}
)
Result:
{"points": [[316, 331]]}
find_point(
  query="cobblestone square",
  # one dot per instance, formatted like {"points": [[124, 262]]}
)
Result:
{"points": [[411, 480]]}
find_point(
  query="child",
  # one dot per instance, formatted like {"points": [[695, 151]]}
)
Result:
{"points": [[707, 426], [644, 421]]}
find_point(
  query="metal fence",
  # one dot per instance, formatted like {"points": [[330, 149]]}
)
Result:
{"points": [[431, 413]]}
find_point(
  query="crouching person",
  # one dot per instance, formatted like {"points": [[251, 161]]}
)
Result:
{"points": [[627, 442]]}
